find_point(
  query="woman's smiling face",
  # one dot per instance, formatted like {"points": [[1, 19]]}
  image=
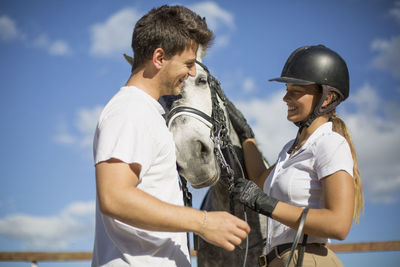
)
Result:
{"points": [[301, 101]]}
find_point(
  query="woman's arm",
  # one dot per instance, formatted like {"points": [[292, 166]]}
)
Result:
{"points": [[334, 221], [254, 161]]}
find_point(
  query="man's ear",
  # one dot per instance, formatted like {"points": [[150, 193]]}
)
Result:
{"points": [[158, 57]]}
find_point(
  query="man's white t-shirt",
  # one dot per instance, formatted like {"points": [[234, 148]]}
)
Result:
{"points": [[131, 128], [296, 179]]}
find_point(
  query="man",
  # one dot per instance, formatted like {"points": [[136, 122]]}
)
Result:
{"points": [[140, 217]]}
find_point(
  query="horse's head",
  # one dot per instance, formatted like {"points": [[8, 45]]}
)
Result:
{"points": [[194, 147], [191, 122]]}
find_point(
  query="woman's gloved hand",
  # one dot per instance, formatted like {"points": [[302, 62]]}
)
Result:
{"points": [[242, 128], [248, 193]]}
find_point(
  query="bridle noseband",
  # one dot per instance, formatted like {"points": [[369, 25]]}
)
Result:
{"points": [[189, 111]]}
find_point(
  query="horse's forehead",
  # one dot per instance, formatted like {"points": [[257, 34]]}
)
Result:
{"points": [[200, 70]]}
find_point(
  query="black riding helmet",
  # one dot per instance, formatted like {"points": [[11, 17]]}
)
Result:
{"points": [[317, 65]]}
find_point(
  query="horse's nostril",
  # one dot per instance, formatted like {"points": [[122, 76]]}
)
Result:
{"points": [[204, 151]]}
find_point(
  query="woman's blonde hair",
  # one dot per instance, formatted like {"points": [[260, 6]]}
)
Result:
{"points": [[340, 127]]}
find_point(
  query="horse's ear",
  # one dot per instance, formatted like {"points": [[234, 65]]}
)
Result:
{"points": [[201, 52], [129, 59]]}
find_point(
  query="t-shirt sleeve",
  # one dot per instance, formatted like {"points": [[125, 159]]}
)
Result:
{"points": [[333, 154], [126, 139]]}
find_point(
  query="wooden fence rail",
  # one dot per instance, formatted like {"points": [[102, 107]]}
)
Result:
{"points": [[35, 257]]}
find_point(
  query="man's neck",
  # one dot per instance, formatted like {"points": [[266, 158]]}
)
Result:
{"points": [[145, 82]]}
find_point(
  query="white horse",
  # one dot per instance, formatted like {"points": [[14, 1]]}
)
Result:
{"points": [[197, 159]]}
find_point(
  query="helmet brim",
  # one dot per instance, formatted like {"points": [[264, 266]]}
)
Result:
{"points": [[291, 80]]}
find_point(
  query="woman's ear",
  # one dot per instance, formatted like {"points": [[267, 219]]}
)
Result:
{"points": [[158, 57], [328, 99]]}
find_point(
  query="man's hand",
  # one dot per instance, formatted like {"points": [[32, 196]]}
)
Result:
{"points": [[253, 197], [239, 122], [224, 230]]}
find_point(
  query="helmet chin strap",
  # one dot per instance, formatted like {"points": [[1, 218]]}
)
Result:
{"points": [[319, 110], [301, 125]]}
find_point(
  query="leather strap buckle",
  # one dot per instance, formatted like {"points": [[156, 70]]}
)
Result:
{"points": [[262, 261]]}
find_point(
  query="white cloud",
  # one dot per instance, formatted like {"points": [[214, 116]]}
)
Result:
{"points": [[115, 34], [238, 81], [395, 11], [79, 209], [53, 47], [65, 138], [268, 120], [216, 17], [367, 98], [86, 124], [9, 30], [59, 47], [220, 21], [376, 137], [74, 222], [221, 40], [388, 56], [248, 85], [82, 131]]}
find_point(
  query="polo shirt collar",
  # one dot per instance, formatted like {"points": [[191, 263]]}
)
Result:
{"points": [[320, 131]]}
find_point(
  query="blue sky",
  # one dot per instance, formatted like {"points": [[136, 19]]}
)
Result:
{"points": [[61, 61]]}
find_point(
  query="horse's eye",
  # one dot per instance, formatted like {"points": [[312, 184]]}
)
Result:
{"points": [[201, 80]]}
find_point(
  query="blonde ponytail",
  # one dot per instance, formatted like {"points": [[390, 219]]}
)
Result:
{"points": [[340, 127]]}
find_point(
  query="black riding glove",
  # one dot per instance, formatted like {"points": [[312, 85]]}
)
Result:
{"points": [[253, 197], [239, 122]]}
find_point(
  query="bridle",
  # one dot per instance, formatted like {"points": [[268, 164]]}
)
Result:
{"points": [[217, 124]]}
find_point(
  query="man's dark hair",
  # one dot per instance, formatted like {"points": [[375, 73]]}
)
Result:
{"points": [[171, 28]]}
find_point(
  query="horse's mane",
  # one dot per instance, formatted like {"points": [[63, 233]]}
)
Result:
{"points": [[167, 101]]}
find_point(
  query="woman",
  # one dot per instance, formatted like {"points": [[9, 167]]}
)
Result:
{"points": [[317, 170]]}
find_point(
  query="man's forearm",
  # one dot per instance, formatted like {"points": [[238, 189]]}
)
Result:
{"points": [[142, 210]]}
